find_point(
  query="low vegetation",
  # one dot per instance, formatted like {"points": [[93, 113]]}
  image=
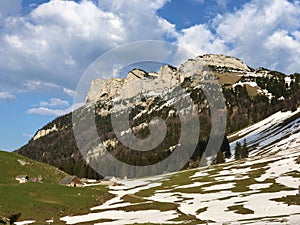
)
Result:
{"points": [[240, 209], [290, 200], [42, 201]]}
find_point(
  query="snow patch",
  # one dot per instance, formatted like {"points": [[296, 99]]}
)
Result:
{"points": [[219, 187], [25, 222]]}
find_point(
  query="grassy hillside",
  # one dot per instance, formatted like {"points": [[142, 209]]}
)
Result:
{"points": [[42, 201], [11, 166]]}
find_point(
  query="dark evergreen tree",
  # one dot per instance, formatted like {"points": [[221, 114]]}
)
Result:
{"points": [[220, 158], [226, 148], [238, 150], [244, 150], [241, 151]]}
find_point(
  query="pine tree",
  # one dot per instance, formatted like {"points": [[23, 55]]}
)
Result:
{"points": [[238, 151], [244, 150], [226, 148], [220, 158]]}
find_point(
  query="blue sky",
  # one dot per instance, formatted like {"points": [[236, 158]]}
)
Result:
{"points": [[45, 46]]}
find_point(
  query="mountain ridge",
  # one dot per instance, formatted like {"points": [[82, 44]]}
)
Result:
{"points": [[167, 77], [250, 94]]}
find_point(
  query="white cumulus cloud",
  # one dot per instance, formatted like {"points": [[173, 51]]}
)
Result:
{"points": [[57, 41], [261, 33], [50, 48], [201, 40]]}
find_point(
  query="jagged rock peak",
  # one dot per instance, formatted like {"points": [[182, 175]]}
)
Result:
{"points": [[167, 72], [137, 73], [167, 77]]}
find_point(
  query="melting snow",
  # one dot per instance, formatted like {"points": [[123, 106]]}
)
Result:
{"points": [[252, 84], [269, 135], [122, 217], [220, 187], [216, 197], [260, 186], [25, 222]]}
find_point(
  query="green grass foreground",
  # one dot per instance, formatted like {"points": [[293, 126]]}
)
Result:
{"points": [[42, 201]]}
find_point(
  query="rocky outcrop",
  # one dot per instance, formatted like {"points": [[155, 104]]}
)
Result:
{"points": [[102, 89], [219, 60], [168, 74], [42, 133], [137, 73], [138, 81]]}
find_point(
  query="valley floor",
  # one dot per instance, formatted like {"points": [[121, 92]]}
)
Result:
{"points": [[263, 189], [260, 190], [254, 191]]}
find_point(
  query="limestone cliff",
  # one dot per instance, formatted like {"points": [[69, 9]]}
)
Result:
{"points": [[139, 81]]}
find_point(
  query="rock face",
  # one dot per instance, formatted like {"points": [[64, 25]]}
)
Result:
{"points": [[168, 74], [139, 81], [137, 73], [224, 61], [42, 133], [101, 89]]}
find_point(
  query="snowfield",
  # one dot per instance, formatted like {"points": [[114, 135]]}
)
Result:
{"points": [[242, 201], [256, 191], [272, 134]]}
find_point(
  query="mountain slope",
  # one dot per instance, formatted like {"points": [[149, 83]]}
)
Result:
{"points": [[262, 189], [12, 164], [278, 132], [250, 95], [259, 190]]}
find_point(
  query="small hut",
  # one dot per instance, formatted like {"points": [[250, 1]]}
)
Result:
{"points": [[71, 181]]}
